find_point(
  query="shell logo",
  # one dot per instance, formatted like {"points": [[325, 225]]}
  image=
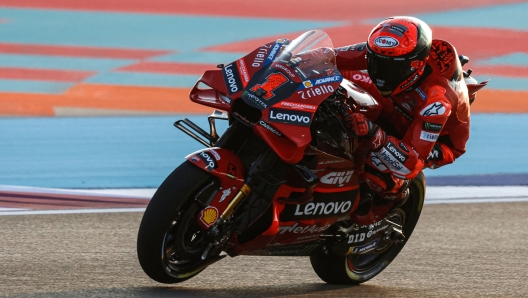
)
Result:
{"points": [[307, 84], [209, 216]]}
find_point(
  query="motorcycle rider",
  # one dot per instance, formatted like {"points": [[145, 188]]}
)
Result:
{"points": [[424, 118]]}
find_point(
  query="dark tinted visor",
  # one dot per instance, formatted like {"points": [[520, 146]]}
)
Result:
{"points": [[388, 73]]}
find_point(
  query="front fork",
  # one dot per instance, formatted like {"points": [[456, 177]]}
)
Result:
{"points": [[229, 170], [262, 165]]}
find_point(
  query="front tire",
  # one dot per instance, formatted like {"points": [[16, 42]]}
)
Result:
{"points": [[169, 240], [357, 269]]}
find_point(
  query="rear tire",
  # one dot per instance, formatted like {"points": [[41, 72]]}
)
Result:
{"points": [[357, 269], [169, 240]]}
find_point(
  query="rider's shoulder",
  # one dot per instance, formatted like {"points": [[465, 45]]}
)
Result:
{"points": [[444, 56]]}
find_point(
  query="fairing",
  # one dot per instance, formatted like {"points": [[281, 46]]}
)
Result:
{"points": [[286, 80]]}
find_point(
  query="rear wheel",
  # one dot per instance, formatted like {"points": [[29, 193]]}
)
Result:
{"points": [[359, 268], [170, 242]]}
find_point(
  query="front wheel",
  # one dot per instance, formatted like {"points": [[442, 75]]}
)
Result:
{"points": [[357, 269], [170, 242]]}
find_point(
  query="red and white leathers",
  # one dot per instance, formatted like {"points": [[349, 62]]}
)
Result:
{"points": [[426, 125]]}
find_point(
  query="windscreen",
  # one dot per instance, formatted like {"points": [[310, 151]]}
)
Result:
{"points": [[309, 57]]}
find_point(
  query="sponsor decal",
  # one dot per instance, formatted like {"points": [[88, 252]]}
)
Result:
{"points": [[256, 100], [402, 157], [430, 137], [226, 193], [377, 162], [325, 80], [232, 78], [435, 155], [422, 94], [194, 158], [303, 230], [306, 238], [362, 78], [432, 127], [397, 30], [358, 46], [337, 177], [243, 119], [243, 70], [226, 99], [231, 169], [209, 215], [374, 232], [210, 162], [325, 162], [216, 155], [297, 251], [286, 69], [386, 42], [315, 91], [320, 81], [290, 117], [307, 84], [356, 238], [364, 248], [406, 106], [354, 47], [273, 81], [378, 138], [391, 161], [273, 52], [295, 105], [433, 109], [261, 55], [410, 81], [323, 208], [402, 145], [269, 128]]}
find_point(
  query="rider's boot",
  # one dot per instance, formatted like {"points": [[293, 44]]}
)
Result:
{"points": [[381, 200]]}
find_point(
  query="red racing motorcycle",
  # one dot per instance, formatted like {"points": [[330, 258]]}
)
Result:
{"points": [[282, 180]]}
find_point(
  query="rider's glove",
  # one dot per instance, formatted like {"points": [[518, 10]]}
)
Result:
{"points": [[359, 126]]}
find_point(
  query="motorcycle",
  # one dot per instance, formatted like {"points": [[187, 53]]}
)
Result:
{"points": [[282, 180]]}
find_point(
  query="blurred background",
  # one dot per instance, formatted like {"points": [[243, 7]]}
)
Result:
{"points": [[89, 90]]}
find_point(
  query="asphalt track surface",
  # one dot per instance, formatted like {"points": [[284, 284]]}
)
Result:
{"points": [[457, 250]]}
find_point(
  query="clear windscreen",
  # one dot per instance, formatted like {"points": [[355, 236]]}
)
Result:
{"points": [[311, 51]]}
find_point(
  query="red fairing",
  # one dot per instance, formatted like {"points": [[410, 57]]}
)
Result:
{"points": [[289, 225], [214, 97], [285, 126], [228, 83], [229, 170]]}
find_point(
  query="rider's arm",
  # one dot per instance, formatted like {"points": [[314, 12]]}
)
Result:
{"points": [[351, 57], [422, 134], [405, 158]]}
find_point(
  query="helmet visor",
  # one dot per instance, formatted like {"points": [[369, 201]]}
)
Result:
{"points": [[387, 73]]}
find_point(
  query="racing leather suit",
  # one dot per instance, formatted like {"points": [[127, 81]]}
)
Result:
{"points": [[426, 125]]}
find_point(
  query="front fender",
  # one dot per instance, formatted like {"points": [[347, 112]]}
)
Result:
{"points": [[230, 171], [220, 162]]}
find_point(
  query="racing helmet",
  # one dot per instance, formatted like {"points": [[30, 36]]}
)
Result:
{"points": [[397, 51]]}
